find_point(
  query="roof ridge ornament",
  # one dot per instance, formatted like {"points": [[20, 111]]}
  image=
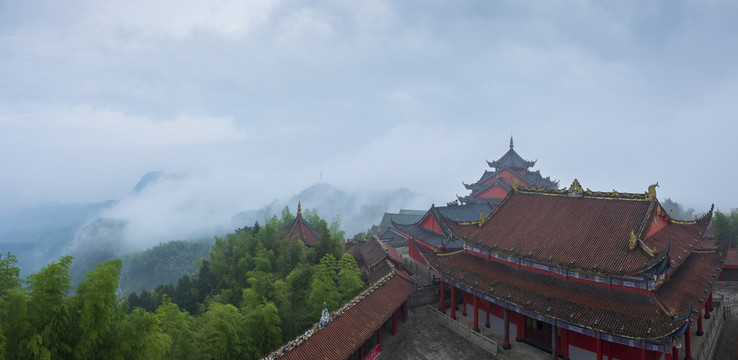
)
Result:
{"points": [[633, 240], [299, 208], [515, 185], [325, 317], [651, 194], [511, 142], [481, 218], [575, 190]]}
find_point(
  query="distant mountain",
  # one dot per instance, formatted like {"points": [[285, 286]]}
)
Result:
{"points": [[40, 234], [164, 207], [357, 210]]}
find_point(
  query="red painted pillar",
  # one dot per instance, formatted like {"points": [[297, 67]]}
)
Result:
{"points": [[667, 356], [361, 351], [520, 328], [643, 352], [712, 308], [394, 323], [506, 344], [379, 337], [598, 347], [404, 311], [443, 297], [453, 301], [699, 325], [674, 353], [687, 344], [476, 313], [554, 343], [565, 343], [489, 308]]}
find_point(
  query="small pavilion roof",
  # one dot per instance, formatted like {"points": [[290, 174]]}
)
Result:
{"points": [[302, 230], [429, 237], [583, 230], [628, 314], [512, 160], [353, 324]]}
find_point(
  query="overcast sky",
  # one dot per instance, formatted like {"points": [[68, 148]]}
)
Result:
{"points": [[256, 99]]}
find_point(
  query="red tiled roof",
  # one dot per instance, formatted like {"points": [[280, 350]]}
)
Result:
{"points": [[732, 258], [614, 311], [340, 338], [594, 229], [691, 283], [300, 228], [393, 254]]}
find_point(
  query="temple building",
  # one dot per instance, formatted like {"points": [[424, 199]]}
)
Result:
{"points": [[494, 185], [432, 230], [301, 230], [578, 273], [355, 330]]}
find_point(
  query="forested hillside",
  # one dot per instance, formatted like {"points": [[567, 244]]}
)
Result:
{"points": [[256, 291]]}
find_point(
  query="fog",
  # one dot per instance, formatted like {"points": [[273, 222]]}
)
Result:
{"points": [[256, 101]]}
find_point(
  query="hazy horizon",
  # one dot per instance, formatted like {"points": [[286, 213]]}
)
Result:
{"points": [[259, 100]]}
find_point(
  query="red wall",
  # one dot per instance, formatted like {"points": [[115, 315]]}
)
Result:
{"points": [[430, 223], [494, 192]]}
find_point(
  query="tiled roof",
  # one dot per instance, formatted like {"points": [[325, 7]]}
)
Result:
{"points": [[618, 312], [393, 254], [342, 336], [300, 228], [408, 217], [465, 213], [429, 237], [511, 159], [690, 285], [590, 232], [732, 258]]}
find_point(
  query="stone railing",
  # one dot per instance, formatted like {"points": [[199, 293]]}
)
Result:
{"points": [[712, 333], [466, 332]]}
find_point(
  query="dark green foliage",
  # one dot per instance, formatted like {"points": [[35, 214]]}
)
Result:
{"points": [[255, 292], [162, 264], [725, 226]]}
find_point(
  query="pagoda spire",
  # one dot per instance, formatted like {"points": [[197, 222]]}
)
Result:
{"points": [[299, 209], [511, 142]]}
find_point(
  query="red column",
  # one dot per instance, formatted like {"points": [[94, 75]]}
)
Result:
{"points": [[674, 353], [443, 297], [489, 308], [361, 351], [520, 328], [506, 344], [476, 313], [599, 346], [687, 344], [394, 323], [667, 356], [711, 307], [707, 308], [379, 337], [404, 311], [699, 325], [453, 301], [643, 351], [565, 343]]}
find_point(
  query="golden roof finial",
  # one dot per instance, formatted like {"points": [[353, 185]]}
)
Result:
{"points": [[633, 240], [299, 209], [652, 191], [481, 218], [511, 142]]}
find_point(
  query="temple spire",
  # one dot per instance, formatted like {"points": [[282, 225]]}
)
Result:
{"points": [[511, 142], [299, 209]]}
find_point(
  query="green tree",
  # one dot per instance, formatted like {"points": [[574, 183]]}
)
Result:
{"points": [[9, 274], [725, 227], [298, 285], [323, 287], [262, 326], [97, 304], [138, 336], [349, 277], [220, 334]]}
